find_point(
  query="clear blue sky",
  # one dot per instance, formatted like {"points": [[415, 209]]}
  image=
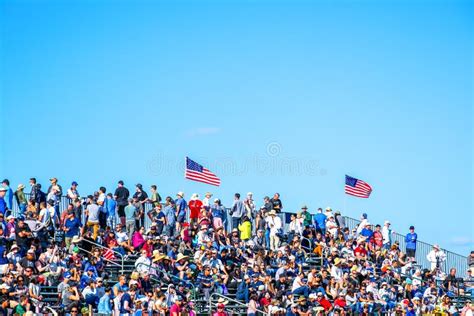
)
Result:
{"points": [[283, 96]]}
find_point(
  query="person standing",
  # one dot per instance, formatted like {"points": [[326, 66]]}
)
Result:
{"points": [[121, 197], [181, 206], [142, 198], [8, 194], [58, 192], [72, 192], [410, 240], [276, 203], [275, 225], [436, 257], [195, 206], [170, 216], [110, 207], [92, 215], [387, 235], [3, 204], [320, 220], [21, 200], [130, 211], [34, 193], [154, 196], [71, 227], [237, 211], [250, 207], [307, 218]]}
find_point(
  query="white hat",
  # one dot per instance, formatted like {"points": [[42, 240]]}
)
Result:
{"points": [[436, 246], [386, 222], [4, 286], [250, 193], [181, 194], [195, 196]]}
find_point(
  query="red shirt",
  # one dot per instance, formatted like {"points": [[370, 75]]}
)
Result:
{"points": [[325, 304], [195, 207], [340, 302], [175, 309], [360, 251]]}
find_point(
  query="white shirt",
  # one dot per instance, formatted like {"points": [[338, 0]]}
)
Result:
{"points": [[121, 237], [432, 257], [101, 199], [142, 264], [362, 225], [72, 194], [386, 231], [296, 283], [336, 273], [274, 222]]}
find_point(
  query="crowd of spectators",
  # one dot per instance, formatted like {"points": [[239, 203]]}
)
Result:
{"points": [[313, 265]]}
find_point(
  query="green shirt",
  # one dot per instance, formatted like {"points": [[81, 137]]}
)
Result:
{"points": [[307, 220], [20, 310], [20, 196], [130, 212]]}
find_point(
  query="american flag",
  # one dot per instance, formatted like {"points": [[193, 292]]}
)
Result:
{"points": [[357, 187], [196, 172]]}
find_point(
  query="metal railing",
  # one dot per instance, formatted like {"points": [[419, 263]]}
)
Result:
{"points": [[453, 260], [107, 248], [151, 269], [105, 259], [235, 302]]}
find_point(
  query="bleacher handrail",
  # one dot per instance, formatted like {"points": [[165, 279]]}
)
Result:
{"points": [[171, 276], [236, 302], [453, 260]]}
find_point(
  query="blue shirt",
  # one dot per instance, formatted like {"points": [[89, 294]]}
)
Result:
{"points": [[3, 206], [181, 205], [73, 225], [320, 220], [410, 240], [218, 211], [367, 233], [169, 214], [104, 305], [110, 206], [9, 197]]}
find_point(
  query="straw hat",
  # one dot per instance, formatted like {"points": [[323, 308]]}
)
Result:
{"points": [[181, 257], [222, 301], [272, 213], [180, 194], [20, 187]]}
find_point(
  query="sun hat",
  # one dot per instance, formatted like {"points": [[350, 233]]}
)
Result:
{"points": [[195, 196], [181, 257], [20, 186], [180, 194], [272, 212], [222, 301], [2, 189], [304, 207]]}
